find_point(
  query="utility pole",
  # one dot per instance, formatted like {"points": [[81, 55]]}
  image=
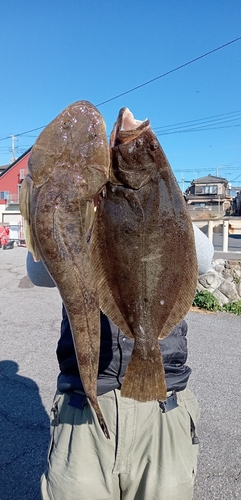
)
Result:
{"points": [[182, 183], [13, 148]]}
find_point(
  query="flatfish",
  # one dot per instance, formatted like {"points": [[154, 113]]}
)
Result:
{"points": [[143, 252], [68, 166]]}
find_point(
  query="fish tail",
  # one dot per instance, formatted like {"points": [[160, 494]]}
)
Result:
{"points": [[145, 377], [100, 417]]}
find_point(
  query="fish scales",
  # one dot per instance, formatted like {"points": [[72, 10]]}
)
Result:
{"points": [[67, 167], [143, 252]]}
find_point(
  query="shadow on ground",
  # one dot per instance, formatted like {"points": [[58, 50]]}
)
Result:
{"points": [[24, 435]]}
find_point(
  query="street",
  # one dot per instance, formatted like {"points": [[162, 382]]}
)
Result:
{"points": [[234, 242], [30, 322]]}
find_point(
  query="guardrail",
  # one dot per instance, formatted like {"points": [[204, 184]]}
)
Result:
{"points": [[229, 226]]}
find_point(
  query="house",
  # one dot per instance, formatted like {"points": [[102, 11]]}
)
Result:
{"points": [[2, 168], [11, 179], [209, 193], [237, 202]]}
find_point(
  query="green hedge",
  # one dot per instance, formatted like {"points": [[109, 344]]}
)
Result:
{"points": [[206, 300]]}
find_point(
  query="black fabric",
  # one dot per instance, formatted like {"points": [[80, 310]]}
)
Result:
{"points": [[115, 353]]}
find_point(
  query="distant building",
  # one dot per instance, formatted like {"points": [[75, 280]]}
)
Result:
{"points": [[2, 168], [209, 193], [11, 179]]}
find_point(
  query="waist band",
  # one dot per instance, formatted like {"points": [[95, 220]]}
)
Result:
{"points": [[78, 399]]}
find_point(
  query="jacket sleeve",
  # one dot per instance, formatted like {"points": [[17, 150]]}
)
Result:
{"points": [[39, 275]]}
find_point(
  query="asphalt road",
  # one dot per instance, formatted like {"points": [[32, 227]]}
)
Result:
{"points": [[234, 242], [30, 319]]}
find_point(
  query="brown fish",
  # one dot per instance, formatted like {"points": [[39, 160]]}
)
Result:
{"points": [[68, 166], [143, 252]]}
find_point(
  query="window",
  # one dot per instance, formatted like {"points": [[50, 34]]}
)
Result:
{"points": [[211, 189]]}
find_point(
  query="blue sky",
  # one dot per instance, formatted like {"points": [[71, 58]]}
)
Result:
{"points": [[57, 52]]}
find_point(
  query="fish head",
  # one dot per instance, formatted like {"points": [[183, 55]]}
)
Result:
{"points": [[74, 143], [133, 145]]}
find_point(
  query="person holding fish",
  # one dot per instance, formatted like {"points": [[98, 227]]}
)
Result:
{"points": [[123, 420]]}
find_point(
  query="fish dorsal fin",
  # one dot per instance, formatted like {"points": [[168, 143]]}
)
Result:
{"points": [[25, 196], [107, 302]]}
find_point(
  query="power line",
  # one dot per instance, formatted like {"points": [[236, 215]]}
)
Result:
{"points": [[22, 133], [200, 129], [194, 125], [170, 71], [145, 83], [206, 120], [235, 178], [232, 162]]}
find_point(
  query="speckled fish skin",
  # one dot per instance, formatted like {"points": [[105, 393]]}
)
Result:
{"points": [[68, 166], [143, 253]]}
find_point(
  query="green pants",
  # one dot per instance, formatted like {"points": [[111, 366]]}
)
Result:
{"points": [[150, 456]]}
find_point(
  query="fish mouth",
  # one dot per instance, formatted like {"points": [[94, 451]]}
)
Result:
{"points": [[127, 128]]}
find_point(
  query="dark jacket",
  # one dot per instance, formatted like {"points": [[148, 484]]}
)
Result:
{"points": [[115, 353]]}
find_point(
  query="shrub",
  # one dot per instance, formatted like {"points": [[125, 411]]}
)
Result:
{"points": [[233, 307], [206, 300]]}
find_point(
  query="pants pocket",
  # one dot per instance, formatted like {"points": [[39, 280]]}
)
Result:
{"points": [[54, 421], [192, 407]]}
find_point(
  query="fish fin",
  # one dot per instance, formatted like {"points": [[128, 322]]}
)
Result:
{"points": [[89, 216], [184, 298], [30, 243], [110, 309], [25, 196], [100, 417], [145, 377], [108, 303], [39, 162]]}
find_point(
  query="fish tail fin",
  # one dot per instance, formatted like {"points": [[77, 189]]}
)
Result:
{"points": [[100, 417], [145, 377]]}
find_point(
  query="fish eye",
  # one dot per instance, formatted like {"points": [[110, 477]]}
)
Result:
{"points": [[66, 124], [154, 145], [92, 135]]}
